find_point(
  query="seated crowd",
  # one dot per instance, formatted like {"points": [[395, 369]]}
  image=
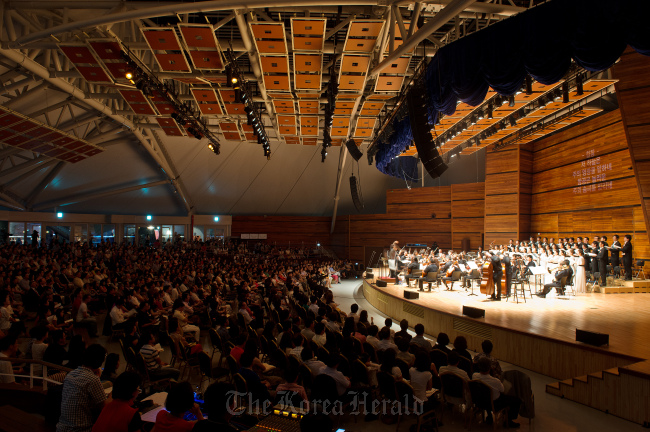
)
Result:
{"points": [[269, 314]]}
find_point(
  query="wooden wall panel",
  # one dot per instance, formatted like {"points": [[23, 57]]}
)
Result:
{"points": [[468, 225], [285, 230], [501, 161], [468, 191], [473, 208], [501, 223], [418, 210], [422, 195], [501, 204], [499, 184], [568, 201]]}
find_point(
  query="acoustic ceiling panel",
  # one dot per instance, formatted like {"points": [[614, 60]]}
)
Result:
{"points": [[310, 141], [387, 83], [366, 122], [372, 108], [287, 130], [292, 139], [235, 108], [79, 54], [352, 82], [286, 120], [352, 63], [210, 108], [284, 106], [175, 62], [204, 95], [198, 36], [308, 106], [169, 126], [274, 64], [107, 49], [206, 60], [269, 37], [94, 74], [307, 62], [308, 34], [340, 131], [162, 39], [277, 82]]}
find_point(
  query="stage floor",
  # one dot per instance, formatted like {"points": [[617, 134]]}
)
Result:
{"points": [[625, 317]]}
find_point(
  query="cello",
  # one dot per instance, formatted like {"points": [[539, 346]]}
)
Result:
{"points": [[487, 282]]}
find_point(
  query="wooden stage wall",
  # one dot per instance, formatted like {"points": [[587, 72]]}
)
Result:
{"points": [[583, 184], [284, 230], [445, 214]]}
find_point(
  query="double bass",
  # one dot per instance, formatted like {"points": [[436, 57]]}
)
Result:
{"points": [[487, 279]]}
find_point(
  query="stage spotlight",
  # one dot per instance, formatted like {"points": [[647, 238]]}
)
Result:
{"points": [[244, 98], [565, 92], [212, 149], [480, 115], [579, 88], [511, 101], [489, 114], [529, 85]]}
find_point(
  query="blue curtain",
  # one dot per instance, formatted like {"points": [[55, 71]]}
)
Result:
{"points": [[541, 42]]}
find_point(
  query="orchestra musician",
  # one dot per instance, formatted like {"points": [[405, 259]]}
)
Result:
{"points": [[505, 259], [594, 260], [627, 256], [410, 274], [431, 268], [497, 274], [564, 272]]}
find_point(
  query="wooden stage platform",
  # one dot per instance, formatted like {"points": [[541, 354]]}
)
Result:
{"points": [[539, 335]]}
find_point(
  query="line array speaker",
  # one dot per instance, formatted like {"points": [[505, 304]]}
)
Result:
{"points": [[353, 149], [354, 190], [417, 107]]}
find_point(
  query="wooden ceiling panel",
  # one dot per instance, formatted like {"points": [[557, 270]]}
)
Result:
{"points": [[341, 122], [285, 120], [272, 47], [232, 136], [352, 82], [287, 130], [210, 108], [308, 131], [235, 109], [207, 60], [389, 83], [360, 45], [277, 82], [363, 133], [173, 62], [307, 81], [263, 30], [366, 122], [398, 66], [354, 63], [340, 132], [284, 106], [365, 29], [198, 36], [301, 43], [204, 94], [307, 62], [275, 64], [310, 141], [312, 26]]}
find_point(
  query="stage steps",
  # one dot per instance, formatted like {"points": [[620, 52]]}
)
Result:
{"points": [[621, 286], [616, 391]]}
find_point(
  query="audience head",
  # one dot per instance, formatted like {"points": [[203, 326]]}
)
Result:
{"points": [[373, 330], [388, 322], [94, 356], [487, 346], [9, 345], [453, 358], [460, 343], [384, 334], [404, 325], [419, 329], [126, 386], [442, 339], [422, 361], [333, 360], [402, 344], [319, 328], [363, 316], [306, 353], [354, 308], [484, 365], [112, 363], [180, 398]]}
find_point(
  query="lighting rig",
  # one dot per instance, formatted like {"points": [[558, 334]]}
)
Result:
{"points": [[184, 114], [243, 93], [332, 91]]}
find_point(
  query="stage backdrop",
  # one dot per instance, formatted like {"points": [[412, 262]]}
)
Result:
{"points": [[583, 184]]}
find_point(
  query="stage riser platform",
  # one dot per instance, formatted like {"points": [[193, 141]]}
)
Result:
{"points": [[554, 358]]}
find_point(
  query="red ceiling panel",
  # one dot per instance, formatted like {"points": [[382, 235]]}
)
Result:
{"points": [[79, 54], [207, 59], [142, 109], [210, 108], [165, 108], [23, 126], [8, 119], [117, 70], [17, 140], [173, 62], [205, 95], [162, 39], [198, 36], [94, 74], [133, 96], [107, 50]]}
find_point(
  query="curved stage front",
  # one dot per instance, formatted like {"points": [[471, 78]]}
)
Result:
{"points": [[538, 334]]}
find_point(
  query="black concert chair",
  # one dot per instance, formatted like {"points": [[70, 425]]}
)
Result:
{"points": [[639, 265], [455, 276], [430, 278]]}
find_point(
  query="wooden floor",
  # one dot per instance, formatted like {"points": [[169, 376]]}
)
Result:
{"points": [[625, 317]]}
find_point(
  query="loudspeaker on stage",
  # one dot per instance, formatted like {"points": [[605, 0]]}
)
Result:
{"points": [[592, 338], [411, 295], [473, 312], [381, 283]]}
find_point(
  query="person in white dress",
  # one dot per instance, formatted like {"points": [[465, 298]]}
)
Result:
{"points": [[580, 282]]}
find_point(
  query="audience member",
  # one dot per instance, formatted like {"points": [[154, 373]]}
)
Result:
{"points": [[419, 339], [500, 400], [119, 415], [452, 366], [155, 366], [219, 404], [495, 369], [460, 346], [180, 399]]}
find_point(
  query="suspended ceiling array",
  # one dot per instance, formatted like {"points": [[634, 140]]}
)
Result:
{"points": [[79, 134]]}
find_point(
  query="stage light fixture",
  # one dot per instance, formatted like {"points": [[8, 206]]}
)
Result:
{"points": [[511, 101], [579, 86], [489, 114], [529, 85], [129, 75], [565, 92], [480, 115]]}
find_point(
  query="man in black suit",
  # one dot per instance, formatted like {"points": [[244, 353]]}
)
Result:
{"points": [[565, 271], [603, 259], [529, 263], [505, 259], [497, 274], [432, 267], [615, 251], [412, 270], [594, 260], [627, 256]]}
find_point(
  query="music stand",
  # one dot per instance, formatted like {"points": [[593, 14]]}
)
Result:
{"points": [[538, 272], [472, 265]]}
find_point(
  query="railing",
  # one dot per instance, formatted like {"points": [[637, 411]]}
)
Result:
{"points": [[44, 378]]}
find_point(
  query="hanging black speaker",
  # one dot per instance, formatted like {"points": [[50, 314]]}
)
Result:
{"points": [[353, 149], [355, 191], [418, 117]]}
